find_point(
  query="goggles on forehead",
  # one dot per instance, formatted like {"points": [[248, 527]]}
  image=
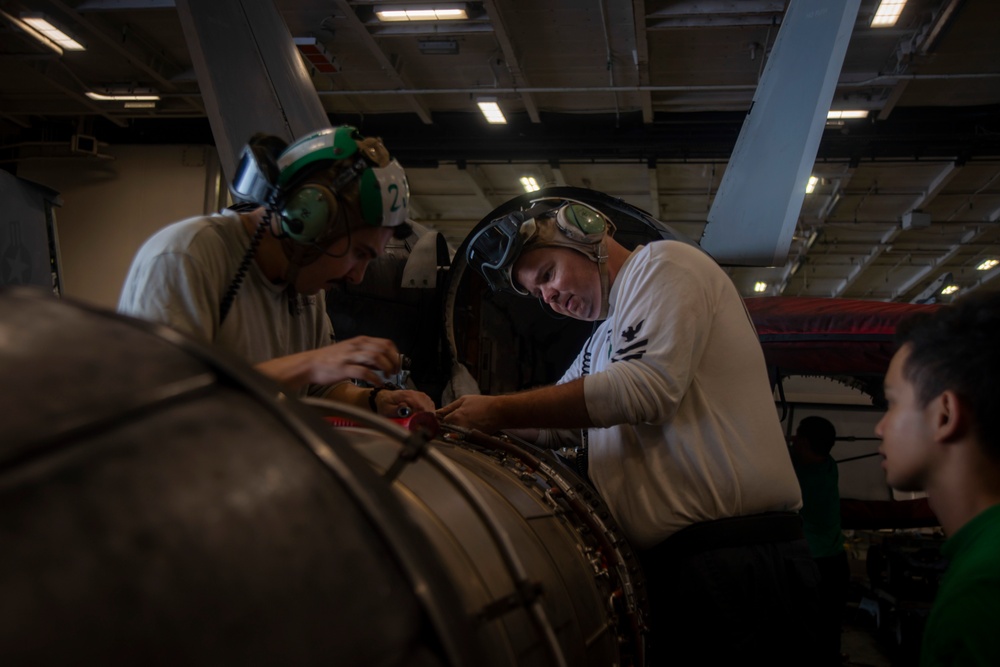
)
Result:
{"points": [[582, 223], [495, 248]]}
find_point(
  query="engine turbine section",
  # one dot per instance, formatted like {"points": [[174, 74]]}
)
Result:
{"points": [[161, 503]]}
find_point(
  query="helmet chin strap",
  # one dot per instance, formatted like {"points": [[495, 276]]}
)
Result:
{"points": [[602, 268]]}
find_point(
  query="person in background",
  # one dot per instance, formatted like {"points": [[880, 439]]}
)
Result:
{"points": [[671, 394], [820, 484], [941, 434], [252, 278]]}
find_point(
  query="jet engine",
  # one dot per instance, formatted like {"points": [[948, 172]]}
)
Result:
{"points": [[161, 503]]}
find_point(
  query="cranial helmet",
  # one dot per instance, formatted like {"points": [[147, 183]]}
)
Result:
{"points": [[310, 212], [547, 222]]}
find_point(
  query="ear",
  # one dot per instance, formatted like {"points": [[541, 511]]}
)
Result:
{"points": [[951, 417]]}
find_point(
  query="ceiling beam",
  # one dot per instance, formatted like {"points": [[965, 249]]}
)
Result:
{"points": [[840, 183], [272, 94], [717, 14], [510, 57], [969, 237], [895, 94], [483, 187], [932, 289], [940, 22], [552, 174], [756, 209], [721, 8], [990, 275], [937, 184], [114, 5], [388, 67], [934, 188], [865, 262]]}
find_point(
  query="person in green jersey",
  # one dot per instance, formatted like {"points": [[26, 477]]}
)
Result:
{"points": [[941, 434]]}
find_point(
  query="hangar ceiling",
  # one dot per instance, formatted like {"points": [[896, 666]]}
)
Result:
{"points": [[643, 100]]}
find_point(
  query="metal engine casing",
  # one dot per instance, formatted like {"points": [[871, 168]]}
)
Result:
{"points": [[161, 503]]}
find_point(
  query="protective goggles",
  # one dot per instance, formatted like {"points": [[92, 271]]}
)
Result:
{"points": [[495, 248], [251, 182]]}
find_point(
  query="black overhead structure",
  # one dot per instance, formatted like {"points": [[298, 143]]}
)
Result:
{"points": [[643, 101]]}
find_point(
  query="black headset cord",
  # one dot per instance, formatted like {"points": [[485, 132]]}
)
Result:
{"points": [[234, 286]]}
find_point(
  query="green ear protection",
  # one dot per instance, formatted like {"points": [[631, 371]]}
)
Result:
{"points": [[309, 211]]}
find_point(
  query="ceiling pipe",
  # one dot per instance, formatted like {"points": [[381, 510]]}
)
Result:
{"points": [[633, 89], [608, 61], [534, 89], [919, 77], [603, 89]]}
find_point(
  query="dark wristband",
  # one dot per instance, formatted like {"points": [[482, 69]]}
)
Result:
{"points": [[371, 398]]}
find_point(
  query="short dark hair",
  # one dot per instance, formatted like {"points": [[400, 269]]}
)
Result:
{"points": [[820, 433], [955, 348]]}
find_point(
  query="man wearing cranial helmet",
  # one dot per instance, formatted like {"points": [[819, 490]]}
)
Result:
{"points": [[670, 396], [310, 215]]}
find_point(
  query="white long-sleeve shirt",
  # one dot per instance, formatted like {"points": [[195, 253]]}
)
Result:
{"points": [[676, 383]]}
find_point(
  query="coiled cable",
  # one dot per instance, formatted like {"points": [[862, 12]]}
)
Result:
{"points": [[234, 286]]}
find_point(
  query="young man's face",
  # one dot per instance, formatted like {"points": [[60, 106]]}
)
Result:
{"points": [[568, 281], [907, 437], [345, 261]]}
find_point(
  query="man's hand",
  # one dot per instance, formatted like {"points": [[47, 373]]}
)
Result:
{"points": [[389, 402], [355, 358], [473, 411], [555, 406]]}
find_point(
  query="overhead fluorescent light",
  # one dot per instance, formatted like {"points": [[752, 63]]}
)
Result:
{"points": [[846, 114], [529, 184], [396, 13], [949, 289], [133, 96], [41, 24], [759, 286], [987, 264], [811, 185], [887, 13], [140, 105], [491, 110]]}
